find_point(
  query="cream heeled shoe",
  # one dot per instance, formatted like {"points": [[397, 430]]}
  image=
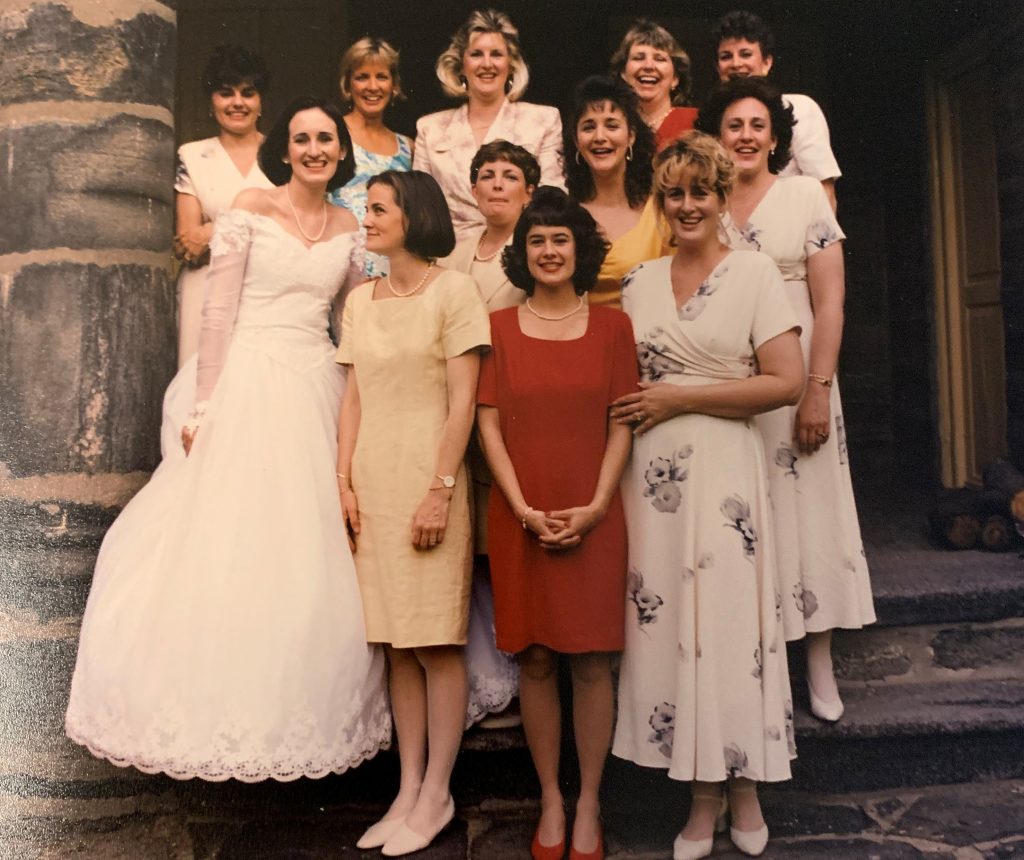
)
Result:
{"points": [[830, 712], [749, 842], [377, 834], [407, 841], [695, 849]]}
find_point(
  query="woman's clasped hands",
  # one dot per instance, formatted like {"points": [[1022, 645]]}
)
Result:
{"points": [[564, 529]]}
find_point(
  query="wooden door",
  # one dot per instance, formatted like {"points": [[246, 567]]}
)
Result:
{"points": [[971, 368], [301, 40]]}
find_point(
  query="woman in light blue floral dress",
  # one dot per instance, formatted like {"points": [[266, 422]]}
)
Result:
{"points": [[369, 82], [704, 687], [823, 572]]}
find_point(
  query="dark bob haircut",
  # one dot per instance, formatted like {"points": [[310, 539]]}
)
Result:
{"points": [[274, 148], [513, 153], [644, 31], [747, 26], [594, 91], [552, 207], [232, 65], [428, 222], [709, 120]]}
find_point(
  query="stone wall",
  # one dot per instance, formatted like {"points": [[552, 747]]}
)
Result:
{"points": [[87, 341], [86, 297]]}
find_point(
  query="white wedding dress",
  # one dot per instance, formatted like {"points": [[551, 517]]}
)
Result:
{"points": [[224, 637]]}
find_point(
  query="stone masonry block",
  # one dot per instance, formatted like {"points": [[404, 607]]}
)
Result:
{"points": [[96, 348], [972, 647], [50, 55], [108, 185]]}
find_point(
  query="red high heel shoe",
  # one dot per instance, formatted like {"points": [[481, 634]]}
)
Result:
{"points": [[596, 854], [546, 852]]}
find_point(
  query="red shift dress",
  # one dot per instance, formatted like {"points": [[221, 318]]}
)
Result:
{"points": [[552, 398]]}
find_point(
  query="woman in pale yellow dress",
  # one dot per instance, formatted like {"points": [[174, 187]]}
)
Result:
{"points": [[412, 340], [608, 153]]}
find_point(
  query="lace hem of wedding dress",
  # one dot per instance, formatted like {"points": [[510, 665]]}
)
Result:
{"points": [[298, 755], [491, 695]]}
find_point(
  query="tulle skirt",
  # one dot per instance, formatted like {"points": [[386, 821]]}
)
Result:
{"points": [[223, 635]]}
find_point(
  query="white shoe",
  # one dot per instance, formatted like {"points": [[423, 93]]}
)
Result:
{"points": [[688, 849], [694, 849], [750, 842], [377, 834], [830, 712], [408, 841]]}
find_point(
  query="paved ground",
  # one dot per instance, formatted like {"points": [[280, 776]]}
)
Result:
{"points": [[143, 818]]}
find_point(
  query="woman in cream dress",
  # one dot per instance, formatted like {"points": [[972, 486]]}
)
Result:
{"points": [[484, 66], [210, 174], [823, 570], [411, 340], [704, 687]]}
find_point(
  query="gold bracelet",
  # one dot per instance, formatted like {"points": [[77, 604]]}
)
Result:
{"points": [[526, 513], [821, 380]]}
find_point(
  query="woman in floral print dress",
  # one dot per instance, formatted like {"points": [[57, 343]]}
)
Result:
{"points": [[704, 688], [823, 573]]}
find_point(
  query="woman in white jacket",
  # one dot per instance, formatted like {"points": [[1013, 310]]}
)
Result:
{"points": [[483, 66]]}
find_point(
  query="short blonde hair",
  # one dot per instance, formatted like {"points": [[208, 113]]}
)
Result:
{"points": [[449, 64], [369, 48], [695, 155]]}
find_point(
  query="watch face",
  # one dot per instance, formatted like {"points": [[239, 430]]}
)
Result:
{"points": [[448, 481]]}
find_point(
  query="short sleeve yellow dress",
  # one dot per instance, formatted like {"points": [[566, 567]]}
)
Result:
{"points": [[399, 348]]}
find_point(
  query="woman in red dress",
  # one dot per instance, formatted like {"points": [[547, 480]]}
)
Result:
{"points": [[651, 61], [556, 534]]}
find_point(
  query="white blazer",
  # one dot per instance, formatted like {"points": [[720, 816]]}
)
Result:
{"points": [[811, 148], [445, 149]]}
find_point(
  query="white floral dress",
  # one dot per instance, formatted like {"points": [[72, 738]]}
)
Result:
{"points": [[704, 688], [823, 573]]}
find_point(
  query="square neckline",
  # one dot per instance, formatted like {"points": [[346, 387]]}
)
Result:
{"points": [[586, 331]]}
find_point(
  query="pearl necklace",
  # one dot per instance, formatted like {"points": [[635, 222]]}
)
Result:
{"points": [[564, 316], [415, 289], [476, 254], [295, 215], [656, 124]]}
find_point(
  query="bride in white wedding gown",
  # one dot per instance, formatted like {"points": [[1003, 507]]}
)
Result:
{"points": [[224, 637]]}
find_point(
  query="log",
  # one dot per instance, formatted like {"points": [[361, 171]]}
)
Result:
{"points": [[1002, 477], [997, 533], [954, 521]]}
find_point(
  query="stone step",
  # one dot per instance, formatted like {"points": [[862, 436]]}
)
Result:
{"points": [[924, 653], [893, 734], [920, 584]]}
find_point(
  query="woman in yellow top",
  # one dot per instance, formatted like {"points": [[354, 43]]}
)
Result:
{"points": [[608, 154]]}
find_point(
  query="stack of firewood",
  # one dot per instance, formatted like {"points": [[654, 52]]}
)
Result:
{"points": [[988, 518]]}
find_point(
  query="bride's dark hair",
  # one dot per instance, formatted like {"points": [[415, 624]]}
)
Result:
{"points": [[275, 147]]}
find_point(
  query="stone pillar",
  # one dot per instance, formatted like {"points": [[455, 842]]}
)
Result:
{"points": [[87, 310]]}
